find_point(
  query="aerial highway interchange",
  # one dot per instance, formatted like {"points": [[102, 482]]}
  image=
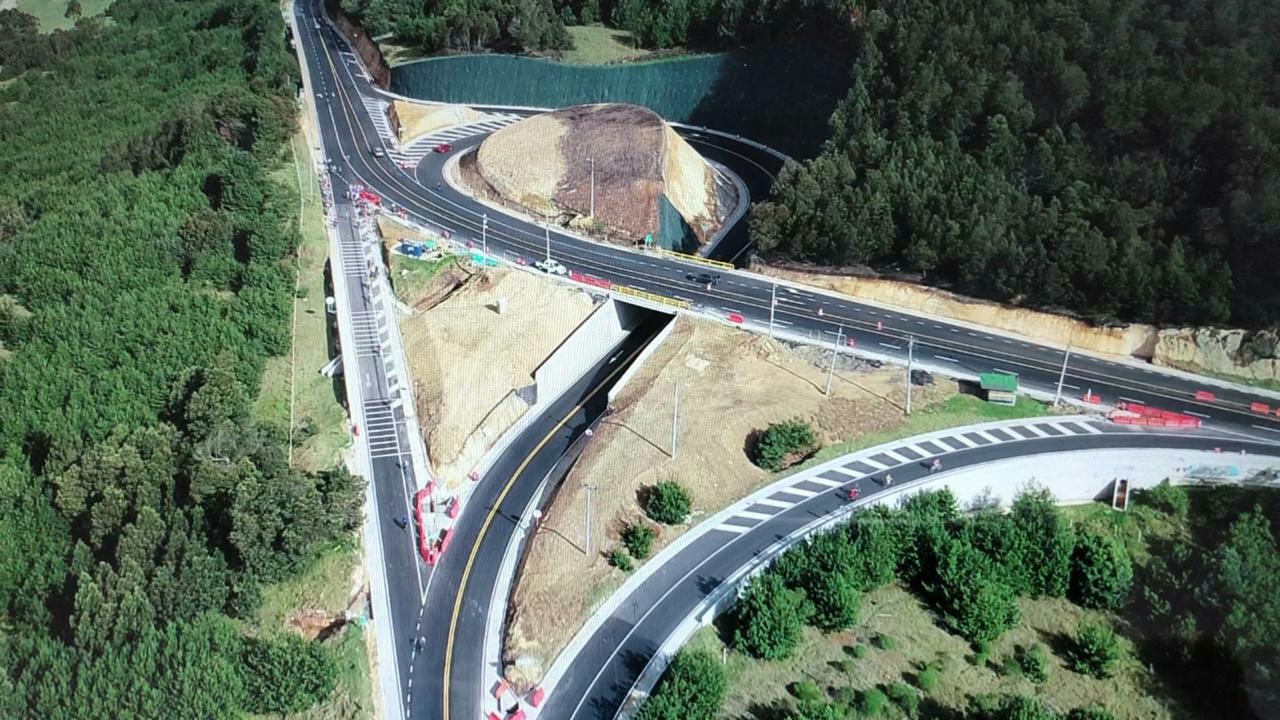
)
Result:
{"points": [[439, 614]]}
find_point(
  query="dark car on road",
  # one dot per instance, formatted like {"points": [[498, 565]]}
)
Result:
{"points": [[703, 278]]}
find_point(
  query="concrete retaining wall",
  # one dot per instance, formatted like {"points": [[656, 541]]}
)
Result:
{"points": [[600, 332], [638, 363]]}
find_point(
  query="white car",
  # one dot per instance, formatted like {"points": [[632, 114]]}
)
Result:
{"points": [[550, 267]]}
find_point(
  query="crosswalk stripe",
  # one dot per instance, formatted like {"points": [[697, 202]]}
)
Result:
{"points": [[735, 529], [1063, 428], [873, 463], [988, 436], [825, 481], [798, 491], [1036, 430], [774, 503], [895, 456], [753, 515], [1090, 427], [960, 438]]}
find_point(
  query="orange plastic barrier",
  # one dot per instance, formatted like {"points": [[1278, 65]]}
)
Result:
{"points": [[1091, 398], [535, 698], [1260, 408], [1205, 395], [735, 318]]}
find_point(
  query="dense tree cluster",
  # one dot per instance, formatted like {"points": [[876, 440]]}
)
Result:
{"points": [[145, 276], [466, 25], [535, 25], [1116, 158]]}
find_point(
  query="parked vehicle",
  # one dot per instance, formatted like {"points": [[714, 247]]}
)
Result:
{"points": [[551, 267]]}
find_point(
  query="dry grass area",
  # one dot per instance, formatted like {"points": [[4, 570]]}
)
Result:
{"points": [[758, 688], [417, 119], [1043, 326], [732, 384], [520, 161], [545, 164], [468, 361]]}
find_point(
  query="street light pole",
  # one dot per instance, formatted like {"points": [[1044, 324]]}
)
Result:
{"points": [[588, 538], [773, 303], [911, 346], [1062, 377], [835, 348], [675, 420], [484, 233], [593, 187], [548, 231]]}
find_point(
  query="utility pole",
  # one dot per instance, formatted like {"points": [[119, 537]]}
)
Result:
{"points": [[1057, 396], [911, 347], [587, 541], [835, 348], [675, 419], [773, 303], [484, 233], [593, 187]]}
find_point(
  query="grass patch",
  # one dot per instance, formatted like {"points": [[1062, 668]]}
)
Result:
{"points": [[411, 276], [927, 657], [396, 53], [600, 45], [52, 14], [310, 600], [954, 412], [318, 422]]}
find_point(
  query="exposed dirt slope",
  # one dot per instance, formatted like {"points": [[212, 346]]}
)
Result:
{"points": [[545, 164], [417, 119]]}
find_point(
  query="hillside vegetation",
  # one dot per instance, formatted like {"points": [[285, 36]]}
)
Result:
{"points": [[1116, 158], [146, 275]]}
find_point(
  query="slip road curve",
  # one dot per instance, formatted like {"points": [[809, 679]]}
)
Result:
{"points": [[349, 134], [607, 665]]}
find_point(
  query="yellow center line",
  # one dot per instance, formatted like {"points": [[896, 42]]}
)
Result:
{"points": [[493, 512]]}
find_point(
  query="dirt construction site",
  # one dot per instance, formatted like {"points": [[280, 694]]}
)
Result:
{"points": [[732, 384], [473, 342]]}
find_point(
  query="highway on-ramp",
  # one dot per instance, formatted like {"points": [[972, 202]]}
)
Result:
{"points": [[452, 626]]}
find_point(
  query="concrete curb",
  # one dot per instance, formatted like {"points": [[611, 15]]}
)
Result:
{"points": [[727, 593], [602, 613]]}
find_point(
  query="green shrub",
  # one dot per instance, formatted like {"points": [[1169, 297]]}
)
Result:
{"points": [[770, 619], [1035, 663], [668, 503], [872, 701], [928, 678], [1101, 573], [972, 597], [1096, 650], [1166, 498], [1009, 707], [859, 651], [882, 641], [981, 653], [782, 440], [835, 600], [1009, 667], [904, 696], [694, 685], [286, 675], [639, 540], [807, 691], [621, 560]]}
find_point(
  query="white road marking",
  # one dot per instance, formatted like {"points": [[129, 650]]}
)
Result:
{"points": [[799, 491], [1274, 430], [988, 436], [1091, 427], [895, 456], [966, 441], [873, 463], [1199, 415], [1062, 428], [753, 515], [895, 347], [826, 481], [1069, 385], [774, 503], [1006, 372], [1129, 399], [735, 529], [1036, 431], [946, 359]]}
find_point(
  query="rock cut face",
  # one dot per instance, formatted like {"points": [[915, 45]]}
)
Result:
{"points": [[545, 162]]}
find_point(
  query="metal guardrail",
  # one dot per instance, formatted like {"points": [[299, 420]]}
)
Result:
{"points": [[651, 297], [694, 258]]}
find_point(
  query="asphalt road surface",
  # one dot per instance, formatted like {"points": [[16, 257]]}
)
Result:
{"points": [[445, 675], [350, 135]]}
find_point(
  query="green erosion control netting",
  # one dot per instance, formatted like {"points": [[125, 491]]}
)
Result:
{"points": [[780, 95], [673, 232]]}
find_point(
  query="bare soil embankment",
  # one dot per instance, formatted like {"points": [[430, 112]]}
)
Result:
{"points": [[468, 360], [731, 384]]}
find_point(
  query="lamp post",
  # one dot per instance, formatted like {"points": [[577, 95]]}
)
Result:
{"points": [[593, 187], [484, 234]]}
